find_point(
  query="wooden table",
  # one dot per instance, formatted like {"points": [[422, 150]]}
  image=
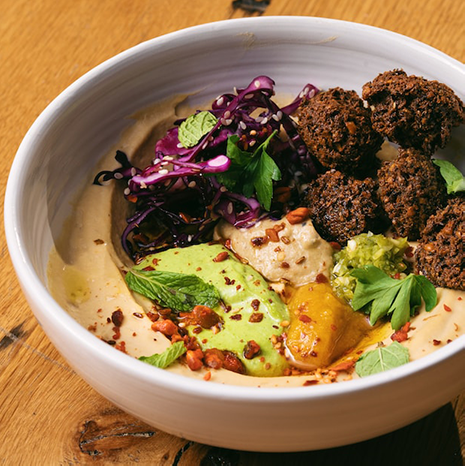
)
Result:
{"points": [[48, 415]]}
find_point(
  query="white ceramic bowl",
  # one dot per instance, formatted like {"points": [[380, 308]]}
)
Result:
{"points": [[78, 127]]}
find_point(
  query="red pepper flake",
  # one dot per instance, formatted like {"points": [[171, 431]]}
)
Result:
{"points": [[117, 334], [236, 317], [197, 330], [447, 308], [148, 268], [121, 346], [222, 256], [336, 246], [397, 276], [227, 244], [285, 265], [198, 269], [138, 315], [449, 341], [256, 317], [345, 366], [333, 327], [99, 241], [255, 304], [305, 319], [401, 334], [313, 354], [207, 376], [436, 342], [320, 278], [238, 287], [259, 241], [99, 310], [300, 260], [459, 298], [307, 383]]}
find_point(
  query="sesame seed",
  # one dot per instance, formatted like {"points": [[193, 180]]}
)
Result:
{"points": [[164, 171], [127, 191], [257, 83], [118, 176], [230, 208], [312, 93], [226, 114], [179, 145], [242, 125], [168, 157], [220, 101], [264, 121], [192, 184], [284, 323], [252, 143], [143, 185], [133, 171], [248, 96], [223, 189]]}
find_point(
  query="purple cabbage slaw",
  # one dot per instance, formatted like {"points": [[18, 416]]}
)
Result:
{"points": [[177, 199]]}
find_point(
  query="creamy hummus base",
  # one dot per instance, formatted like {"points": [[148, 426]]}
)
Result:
{"points": [[84, 272]]}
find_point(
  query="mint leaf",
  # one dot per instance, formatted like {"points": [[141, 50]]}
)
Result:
{"points": [[177, 291], [380, 295], [163, 360], [193, 128], [382, 359], [454, 179], [249, 172]]}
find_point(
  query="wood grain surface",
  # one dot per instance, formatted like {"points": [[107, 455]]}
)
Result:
{"points": [[48, 415]]}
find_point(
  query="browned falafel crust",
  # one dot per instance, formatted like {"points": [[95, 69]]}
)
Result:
{"points": [[336, 128], [440, 254], [413, 111], [410, 190], [342, 206]]}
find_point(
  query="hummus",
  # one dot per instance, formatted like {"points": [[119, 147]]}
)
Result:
{"points": [[86, 264]]}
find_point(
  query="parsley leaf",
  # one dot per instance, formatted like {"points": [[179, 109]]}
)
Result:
{"points": [[177, 291], [193, 128], [382, 359], [251, 173], [382, 295], [454, 179], [166, 358]]}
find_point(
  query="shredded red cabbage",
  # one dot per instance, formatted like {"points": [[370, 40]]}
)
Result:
{"points": [[177, 199]]}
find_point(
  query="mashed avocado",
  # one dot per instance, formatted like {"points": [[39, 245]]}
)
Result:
{"points": [[249, 309], [367, 249]]}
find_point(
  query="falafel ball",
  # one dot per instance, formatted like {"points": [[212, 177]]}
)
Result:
{"points": [[440, 254], [410, 189], [336, 128], [342, 206], [413, 111]]}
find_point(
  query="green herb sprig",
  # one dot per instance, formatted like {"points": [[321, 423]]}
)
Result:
{"points": [[454, 179], [382, 359], [380, 295], [177, 291], [163, 360], [250, 172], [193, 128]]}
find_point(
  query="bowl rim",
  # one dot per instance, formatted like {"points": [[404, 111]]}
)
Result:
{"points": [[119, 361]]}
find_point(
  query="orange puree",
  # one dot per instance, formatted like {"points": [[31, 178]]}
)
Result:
{"points": [[323, 327]]}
